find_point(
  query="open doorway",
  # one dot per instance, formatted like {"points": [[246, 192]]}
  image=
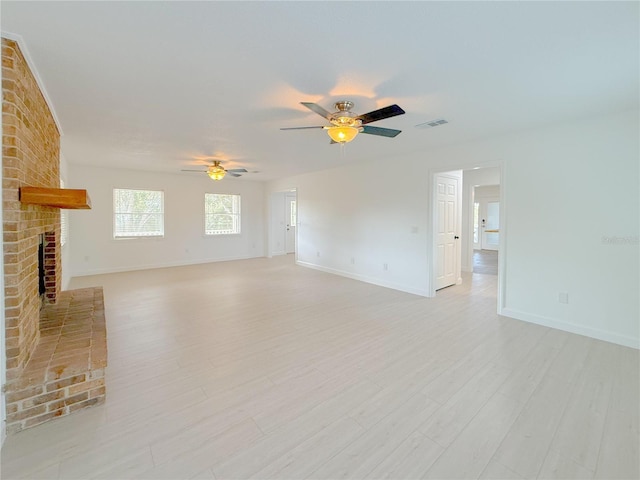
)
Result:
{"points": [[488, 256], [486, 217], [486, 229], [283, 222], [291, 220]]}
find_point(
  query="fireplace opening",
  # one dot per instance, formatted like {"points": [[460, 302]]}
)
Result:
{"points": [[41, 283]]}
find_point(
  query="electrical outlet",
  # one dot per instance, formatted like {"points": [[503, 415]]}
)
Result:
{"points": [[318, 253], [353, 260], [385, 267], [563, 297]]}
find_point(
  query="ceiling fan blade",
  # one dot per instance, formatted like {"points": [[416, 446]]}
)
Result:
{"points": [[201, 171], [383, 132], [233, 174], [380, 114], [318, 109], [237, 170], [298, 128]]}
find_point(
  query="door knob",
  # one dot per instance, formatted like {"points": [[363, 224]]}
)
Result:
{"points": [[456, 237]]}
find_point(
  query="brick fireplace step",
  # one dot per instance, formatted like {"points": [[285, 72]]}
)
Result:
{"points": [[65, 373]]}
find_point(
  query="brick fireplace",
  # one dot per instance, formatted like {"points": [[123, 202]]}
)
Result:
{"points": [[55, 344], [30, 156]]}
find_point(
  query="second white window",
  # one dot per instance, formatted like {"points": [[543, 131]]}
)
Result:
{"points": [[221, 214]]}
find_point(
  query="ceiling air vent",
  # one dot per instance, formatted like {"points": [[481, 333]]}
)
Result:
{"points": [[432, 123]]}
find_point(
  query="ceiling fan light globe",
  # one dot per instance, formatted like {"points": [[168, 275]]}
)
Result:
{"points": [[216, 173], [342, 134]]}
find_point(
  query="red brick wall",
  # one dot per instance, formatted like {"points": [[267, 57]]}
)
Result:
{"points": [[30, 156]]}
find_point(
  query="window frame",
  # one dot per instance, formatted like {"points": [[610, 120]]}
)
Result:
{"points": [[116, 237], [237, 216]]}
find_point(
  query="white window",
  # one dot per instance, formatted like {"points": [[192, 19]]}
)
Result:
{"points": [[221, 214], [138, 213], [64, 222], [294, 214]]}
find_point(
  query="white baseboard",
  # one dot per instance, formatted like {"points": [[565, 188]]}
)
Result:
{"points": [[596, 333], [365, 278], [102, 271]]}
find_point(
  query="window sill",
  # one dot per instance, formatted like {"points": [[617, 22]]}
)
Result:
{"points": [[147, 237]]}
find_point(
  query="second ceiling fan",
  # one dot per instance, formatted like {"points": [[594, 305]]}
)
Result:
{"points": [[345, 124], [217, 171]]}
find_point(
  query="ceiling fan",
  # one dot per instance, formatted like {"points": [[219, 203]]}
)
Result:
{"points": [[217, 171], [345, 124]]}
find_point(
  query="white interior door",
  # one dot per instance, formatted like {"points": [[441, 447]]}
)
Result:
{"points": [[447, 189], [291, 213], [490, 223]]}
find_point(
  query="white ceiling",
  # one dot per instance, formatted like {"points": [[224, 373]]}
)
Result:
{"points": [[163, 85]]}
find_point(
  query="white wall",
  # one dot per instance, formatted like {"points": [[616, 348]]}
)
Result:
{"points": [[356, 214], [93, 249], [562, 199], [277, 232], [555, 225], [486, 191]]}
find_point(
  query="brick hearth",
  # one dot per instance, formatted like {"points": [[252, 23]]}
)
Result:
{"points": [[66, 370]]}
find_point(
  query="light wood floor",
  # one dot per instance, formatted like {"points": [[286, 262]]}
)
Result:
{"points": [[262, 369], [485, 261]]}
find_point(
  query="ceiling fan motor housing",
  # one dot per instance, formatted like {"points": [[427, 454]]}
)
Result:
{"points": [[344, 117], [344, 105]]}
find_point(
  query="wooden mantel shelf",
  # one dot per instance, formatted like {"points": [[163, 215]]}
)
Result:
{"points": [[56, 197]]}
